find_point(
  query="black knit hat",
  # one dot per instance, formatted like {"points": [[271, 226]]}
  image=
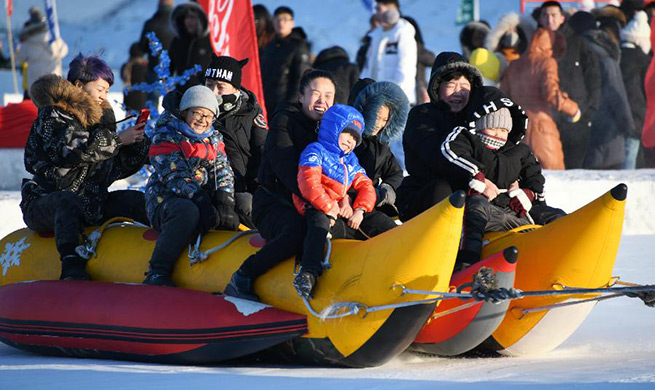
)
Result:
{"points": [[226, 69], [582, 21]]}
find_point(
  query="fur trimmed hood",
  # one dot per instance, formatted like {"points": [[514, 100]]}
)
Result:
{"points": [[511, 23], [53, 90], [374, 96]]}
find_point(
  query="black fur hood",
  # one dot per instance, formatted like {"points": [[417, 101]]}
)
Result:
{"points": [[374, 96]]}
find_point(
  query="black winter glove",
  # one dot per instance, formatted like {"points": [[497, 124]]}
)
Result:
{"points": [[227, 218], [385, 195], [208, 215]]}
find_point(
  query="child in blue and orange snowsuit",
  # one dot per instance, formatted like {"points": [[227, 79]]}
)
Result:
{"points": [[327, 170]]}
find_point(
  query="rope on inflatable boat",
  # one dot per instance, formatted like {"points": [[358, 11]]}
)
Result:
{"points": [[344, 309], [88, 249], [196, 256]]}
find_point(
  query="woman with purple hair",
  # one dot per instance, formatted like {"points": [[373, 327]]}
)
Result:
{"points": [[74, 154]]}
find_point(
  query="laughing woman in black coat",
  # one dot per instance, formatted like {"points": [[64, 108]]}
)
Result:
{"points": [[385, 107]]}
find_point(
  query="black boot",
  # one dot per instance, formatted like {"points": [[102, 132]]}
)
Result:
{"points": [[241, 286], [73, 267], [158, 279], [304, 283]]}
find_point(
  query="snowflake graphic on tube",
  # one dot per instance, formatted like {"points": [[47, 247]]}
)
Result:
{"points": [[11, 255]]}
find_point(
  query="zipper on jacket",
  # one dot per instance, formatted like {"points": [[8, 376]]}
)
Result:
{"points": [[345, 184]]}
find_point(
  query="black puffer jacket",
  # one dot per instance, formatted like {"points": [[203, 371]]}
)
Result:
{"points": [[73, 146], [634, 64], [283, 61], [336, 61], [373, 153], [428, 124], [465, 155], [613, 120], [579, 74], [187, 49], [290, 132]]}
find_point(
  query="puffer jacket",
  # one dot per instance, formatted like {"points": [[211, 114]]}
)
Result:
{"points": [[374, 153], [325, 172], [533, 82], [613, 121], [73, 146], [185, 163], [465, 155]]}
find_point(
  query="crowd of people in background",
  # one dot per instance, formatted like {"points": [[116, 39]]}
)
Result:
{"points": [[347, 145]]}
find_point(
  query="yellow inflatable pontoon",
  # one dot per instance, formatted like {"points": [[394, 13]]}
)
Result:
{"points": [[419, 254]]}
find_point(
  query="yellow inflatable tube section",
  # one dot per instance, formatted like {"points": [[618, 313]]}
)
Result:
{"points": [[419, 254], [577, 250]]}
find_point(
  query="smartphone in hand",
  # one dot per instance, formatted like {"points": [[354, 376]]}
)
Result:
{"points": [[143, 116]]}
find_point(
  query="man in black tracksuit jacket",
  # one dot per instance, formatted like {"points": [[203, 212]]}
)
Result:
{"points": [[503, 179]]}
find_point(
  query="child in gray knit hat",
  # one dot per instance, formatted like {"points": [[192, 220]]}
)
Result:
{"points": [[503, 177], [192, 188]]}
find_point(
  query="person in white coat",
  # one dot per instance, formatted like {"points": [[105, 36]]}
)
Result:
{"points": [[392, 56], [41, 56]]}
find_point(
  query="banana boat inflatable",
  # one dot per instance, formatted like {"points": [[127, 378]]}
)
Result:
{"points": [[575, 251], [459, 325], [419, 254]]}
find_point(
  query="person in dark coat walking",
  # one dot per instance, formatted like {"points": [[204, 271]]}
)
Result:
{"points": [[454, 87], [613, 119], [293, 127], [336, 61], [191, 45], [243, 126], [160, 24], [74, 155], [283, 61], [635, 58], [579, 78], [385, 108]]}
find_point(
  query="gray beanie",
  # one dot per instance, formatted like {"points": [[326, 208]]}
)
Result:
{"points": [[501, 119], [200, 96]]}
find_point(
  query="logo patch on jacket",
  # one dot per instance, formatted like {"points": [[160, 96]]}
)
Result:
{"points": [[391, 48], [261, 121]]}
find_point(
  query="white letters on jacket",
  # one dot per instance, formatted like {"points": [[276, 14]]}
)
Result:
{"points": [[392, 56]]}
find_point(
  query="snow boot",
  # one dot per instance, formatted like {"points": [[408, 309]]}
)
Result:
{"points": [[73, 267], [304, 283], [241, 286], [157, 279]]}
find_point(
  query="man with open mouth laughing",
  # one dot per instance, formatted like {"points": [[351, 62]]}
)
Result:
{"points": [[294, 126]]}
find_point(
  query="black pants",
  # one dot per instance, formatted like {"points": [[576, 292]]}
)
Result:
{"points": [[177, 221], [414, 203], [318, 226], [282, 227], [575, 138], [243, 207], [481, 216], [61, 212]]}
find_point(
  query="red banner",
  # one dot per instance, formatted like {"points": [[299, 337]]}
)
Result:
{"points": [[9, 5], [648, 132], [232, 33]]}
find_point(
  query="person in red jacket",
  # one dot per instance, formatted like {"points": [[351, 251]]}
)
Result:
{"points": [[327, 169]]}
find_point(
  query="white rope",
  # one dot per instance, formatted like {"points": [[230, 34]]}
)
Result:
{"points": [[196, 256]]}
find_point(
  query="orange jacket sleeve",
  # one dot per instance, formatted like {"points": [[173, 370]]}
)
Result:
{"points": [[365, 193], [311, 188]]}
